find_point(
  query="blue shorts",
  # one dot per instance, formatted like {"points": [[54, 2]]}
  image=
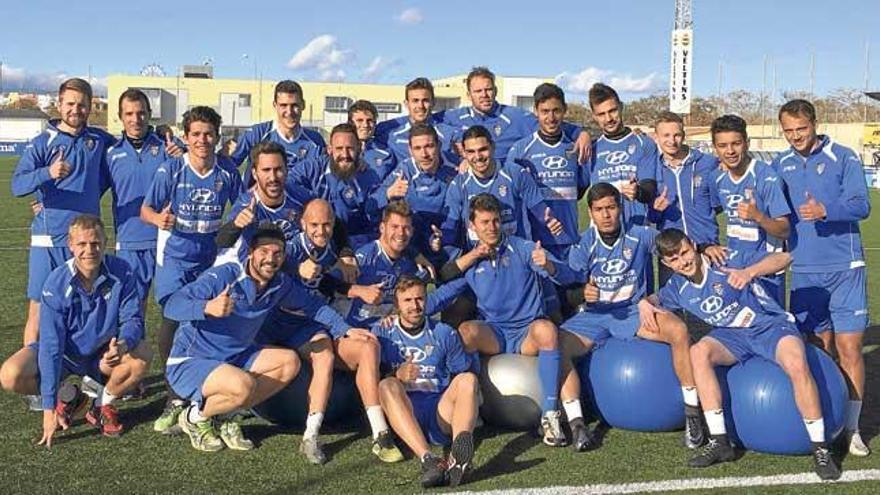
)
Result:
{"points": [[598, 326], [77, 365], [510, 338], [41, 262], [830, 301], [173, 274], [425, 411], [187, 374], [744, 343], [143, 265], [277, 331]]}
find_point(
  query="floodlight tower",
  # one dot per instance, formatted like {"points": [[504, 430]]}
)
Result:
{"points": [[681, 58]]}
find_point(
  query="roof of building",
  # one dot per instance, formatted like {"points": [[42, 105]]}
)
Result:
{"points": [[23, 113]]}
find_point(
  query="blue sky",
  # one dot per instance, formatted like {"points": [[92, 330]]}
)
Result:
{"points": [[624, 42]]}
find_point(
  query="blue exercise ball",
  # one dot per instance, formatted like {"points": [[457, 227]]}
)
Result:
{"points": [[760, 410], [632, 385], [289, 407]]}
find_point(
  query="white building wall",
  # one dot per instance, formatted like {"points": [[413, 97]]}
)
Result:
{"points": [[20, 129]]}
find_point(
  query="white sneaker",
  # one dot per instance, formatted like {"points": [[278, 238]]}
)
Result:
{"points": [[857, 447]]}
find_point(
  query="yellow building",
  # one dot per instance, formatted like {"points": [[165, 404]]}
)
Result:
{"points": [[243, 102]]}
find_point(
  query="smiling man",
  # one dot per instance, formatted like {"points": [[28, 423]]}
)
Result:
{"points": [[362, 114]]}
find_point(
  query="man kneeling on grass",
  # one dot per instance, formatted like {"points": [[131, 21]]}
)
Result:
{"points": [[214, 361], [91, 325], [431, 396], [746, 321]]}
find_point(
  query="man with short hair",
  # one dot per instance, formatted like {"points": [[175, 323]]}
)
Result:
{"points": [[362, 114], [186, 202], [429, 395], [826, 190], [419, 102], [750, 194], [508, 124], [343, 180], [612, 258], [215, 361], [62, 167], [685, 176], [745, 322], [299, 143], [91, 325], [504, 273]]}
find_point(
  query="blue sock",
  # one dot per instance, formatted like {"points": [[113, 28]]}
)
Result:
{"points": [[548, 371]]}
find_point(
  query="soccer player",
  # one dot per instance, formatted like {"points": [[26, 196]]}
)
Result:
{"points": [[131, 164], [826, 191], [508, 124], [612, 258], [429, 395], [750, 193], [503, 271], [186, 202], [300, 144], [621, 157], [215, 362], [419, 102], [340, 178], [62, 167], [685, 176], [362, 114], [421, 181], [745, 322], [91, 325]]}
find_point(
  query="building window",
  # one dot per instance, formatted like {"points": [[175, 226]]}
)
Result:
{"points": [[388, 107], [525, 102], [337, 103], [441, 104]]}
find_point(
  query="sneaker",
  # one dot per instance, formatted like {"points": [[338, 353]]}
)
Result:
{"points": [[825, 466], [551, 429], [71, 403], [384, 448], [313, 450], [460, 456], [230, 433], [433, 471], [581, 439], [694, 432], [857, 447], [712, 453], [167, 422], [105, 418], [202, 435]]}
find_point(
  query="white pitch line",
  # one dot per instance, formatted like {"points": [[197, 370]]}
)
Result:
{"points": [[694, 484]]}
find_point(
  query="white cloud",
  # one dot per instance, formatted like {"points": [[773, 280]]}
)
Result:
{"points": [[410, 16], [378, 67], [580, 82], [322, 53], [20, 79], [332, 75]]}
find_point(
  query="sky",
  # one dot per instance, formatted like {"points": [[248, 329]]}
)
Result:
{"points": [[625, 42]]}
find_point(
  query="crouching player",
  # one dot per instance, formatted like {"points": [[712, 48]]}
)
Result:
{"points": [[431, 396], [91, 324], [746, 322], [614, 259], [214, 361]]}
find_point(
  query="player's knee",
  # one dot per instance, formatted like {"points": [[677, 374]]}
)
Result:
{"points": [[468, 332], [545, 334], [389, 387], [850, 354], [323, 360], [10, 375], [290, 365], [240, 389], [794, 364], [700, 354]]}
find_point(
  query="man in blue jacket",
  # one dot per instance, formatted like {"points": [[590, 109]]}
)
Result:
{"points": [[91, 325]]}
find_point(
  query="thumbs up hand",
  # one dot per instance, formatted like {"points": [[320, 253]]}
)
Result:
{"points": [[812, 210], [630, 188], [246, 216], [171, 148], [59, 168], [309, 269], [591, 291], [408, 371], [165, 220], [552, 223], [398, 189], [221, 306], [539, 257], [435, 241], [661, 202], [747, 209]]}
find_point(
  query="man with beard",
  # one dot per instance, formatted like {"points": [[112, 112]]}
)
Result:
{"points": [[362, 115]]}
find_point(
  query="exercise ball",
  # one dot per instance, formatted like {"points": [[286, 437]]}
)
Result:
{"points": [[632, 385], [511, 391], [289, 407], [760, 410]]}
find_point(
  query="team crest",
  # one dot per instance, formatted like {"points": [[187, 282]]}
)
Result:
{"points": [[497, 129], [698, 180], [627, 253], [820, 168], [379, 161], [718, 288], [505, 260], [348, 193], [105, 292], [429, 349], [154, 150], [502, 190], [631, 148], [302, 152], [218, 185], [90, 144]]}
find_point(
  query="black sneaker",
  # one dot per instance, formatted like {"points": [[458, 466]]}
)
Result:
{"points": [[712, 453], [460, 456], [581, 438], [433, 471], [825, 466], [694, 431]]}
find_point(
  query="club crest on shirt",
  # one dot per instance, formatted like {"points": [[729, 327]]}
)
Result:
{"points": [[218, 185], [627, 252], [497, 129], [90, 144], [820, 168], [429, 349], [502, 190], [505, 260], [348, 193], [718, 288], [302, 152], [105, 292], [698, 180], [154, 150], [631, 148]]}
